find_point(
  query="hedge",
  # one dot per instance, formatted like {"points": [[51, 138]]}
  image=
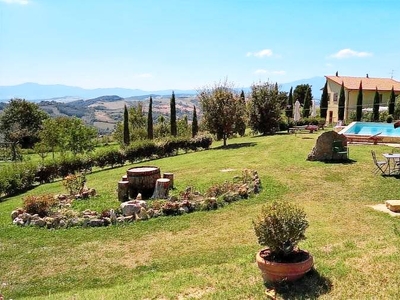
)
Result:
{"points": [[18, 177]]}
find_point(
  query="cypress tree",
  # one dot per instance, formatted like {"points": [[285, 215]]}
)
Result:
{"points": [[307, 104], [324, 101], [173, 115], [392, 101], [375, 109], [359, 103], [289, 108], [341, 103], [240, 124], [126, 127], [150, 120], [195, 125]]}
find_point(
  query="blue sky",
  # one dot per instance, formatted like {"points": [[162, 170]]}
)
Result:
{"points": [[177, 44]]}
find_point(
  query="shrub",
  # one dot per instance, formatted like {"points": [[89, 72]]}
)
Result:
{"points": [[74, 183], [109, 157], [16, 177], [40, 205], [280, 226], [47, 172], [389, 119]]}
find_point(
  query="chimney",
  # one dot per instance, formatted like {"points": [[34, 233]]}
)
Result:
{"points": [[337, 73], [367, 75]]}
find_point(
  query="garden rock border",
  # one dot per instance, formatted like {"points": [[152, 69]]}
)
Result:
{"points": [[242, 187]]}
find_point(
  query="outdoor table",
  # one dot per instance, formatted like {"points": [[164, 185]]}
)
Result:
{"points": [[393, 161]]}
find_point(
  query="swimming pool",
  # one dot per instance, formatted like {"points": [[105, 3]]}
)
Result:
{"points": [[385, 130]]}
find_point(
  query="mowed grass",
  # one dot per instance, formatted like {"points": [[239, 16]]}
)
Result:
{"points": [[211, 255]]}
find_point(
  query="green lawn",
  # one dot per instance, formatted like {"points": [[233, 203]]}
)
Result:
{"points": [[211, 255]]}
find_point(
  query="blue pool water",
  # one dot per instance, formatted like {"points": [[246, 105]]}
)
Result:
{"points": [[371, 128]]}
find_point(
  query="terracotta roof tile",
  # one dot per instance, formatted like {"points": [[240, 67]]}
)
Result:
{"points": [[368, 83]]}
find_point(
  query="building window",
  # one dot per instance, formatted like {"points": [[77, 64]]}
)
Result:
{"points": [[334, 97]]}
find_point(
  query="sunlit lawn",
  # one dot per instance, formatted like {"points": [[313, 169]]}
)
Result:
{"points": [[210, 255]]}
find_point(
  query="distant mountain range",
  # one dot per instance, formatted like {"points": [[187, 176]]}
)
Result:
{"points": [[64, 93], [37, 92]]}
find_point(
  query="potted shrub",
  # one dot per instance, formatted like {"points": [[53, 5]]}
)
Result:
{"points": [[280, 227]]}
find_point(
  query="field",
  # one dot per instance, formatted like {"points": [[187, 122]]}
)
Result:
{"points": [[211, 255]]}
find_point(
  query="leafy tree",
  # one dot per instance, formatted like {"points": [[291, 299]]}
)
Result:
{"points": [[20, 123], [240, 126], [375, 109], [392, 101], [126, 127], [300, 91], [324, 101], [69, 134], [183, 127], [220, 105], [341, 103], [173, 115], [396, 114], [307, 104], [195, 125], [80, 137], [49, 134], [359, 103], [41, 149], [150, 120], [138, 122], [289, 106], [265, 108], [161, 129]]}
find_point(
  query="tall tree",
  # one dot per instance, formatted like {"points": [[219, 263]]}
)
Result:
{"points": [[359, 103], [195, 125], [220, 104], [265, 108], [375, 109], [342, 99], [126, 127], [392, 101], [307, 104], [150, 133], [289, 106], [173, 115], [21, 121], [240, 125], [324, 101], [300, 91]]}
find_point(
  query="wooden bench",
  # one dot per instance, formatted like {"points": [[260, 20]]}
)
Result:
{"points": [[310, 128], [375, 139]]}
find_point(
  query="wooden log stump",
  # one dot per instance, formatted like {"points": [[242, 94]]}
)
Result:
{"points": [[161, 189], [170, 176], [124, 178], [123, 191]]}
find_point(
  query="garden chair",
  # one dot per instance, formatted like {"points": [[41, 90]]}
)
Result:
{"points": [[340, 150], [379, 165]]}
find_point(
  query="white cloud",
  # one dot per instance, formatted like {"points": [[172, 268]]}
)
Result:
{"points": [[262, 53], [21, 2], [262, 71], [346, 53]]}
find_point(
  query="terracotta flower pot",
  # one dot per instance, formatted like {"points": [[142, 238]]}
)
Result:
{"points": [[278, 271]]}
